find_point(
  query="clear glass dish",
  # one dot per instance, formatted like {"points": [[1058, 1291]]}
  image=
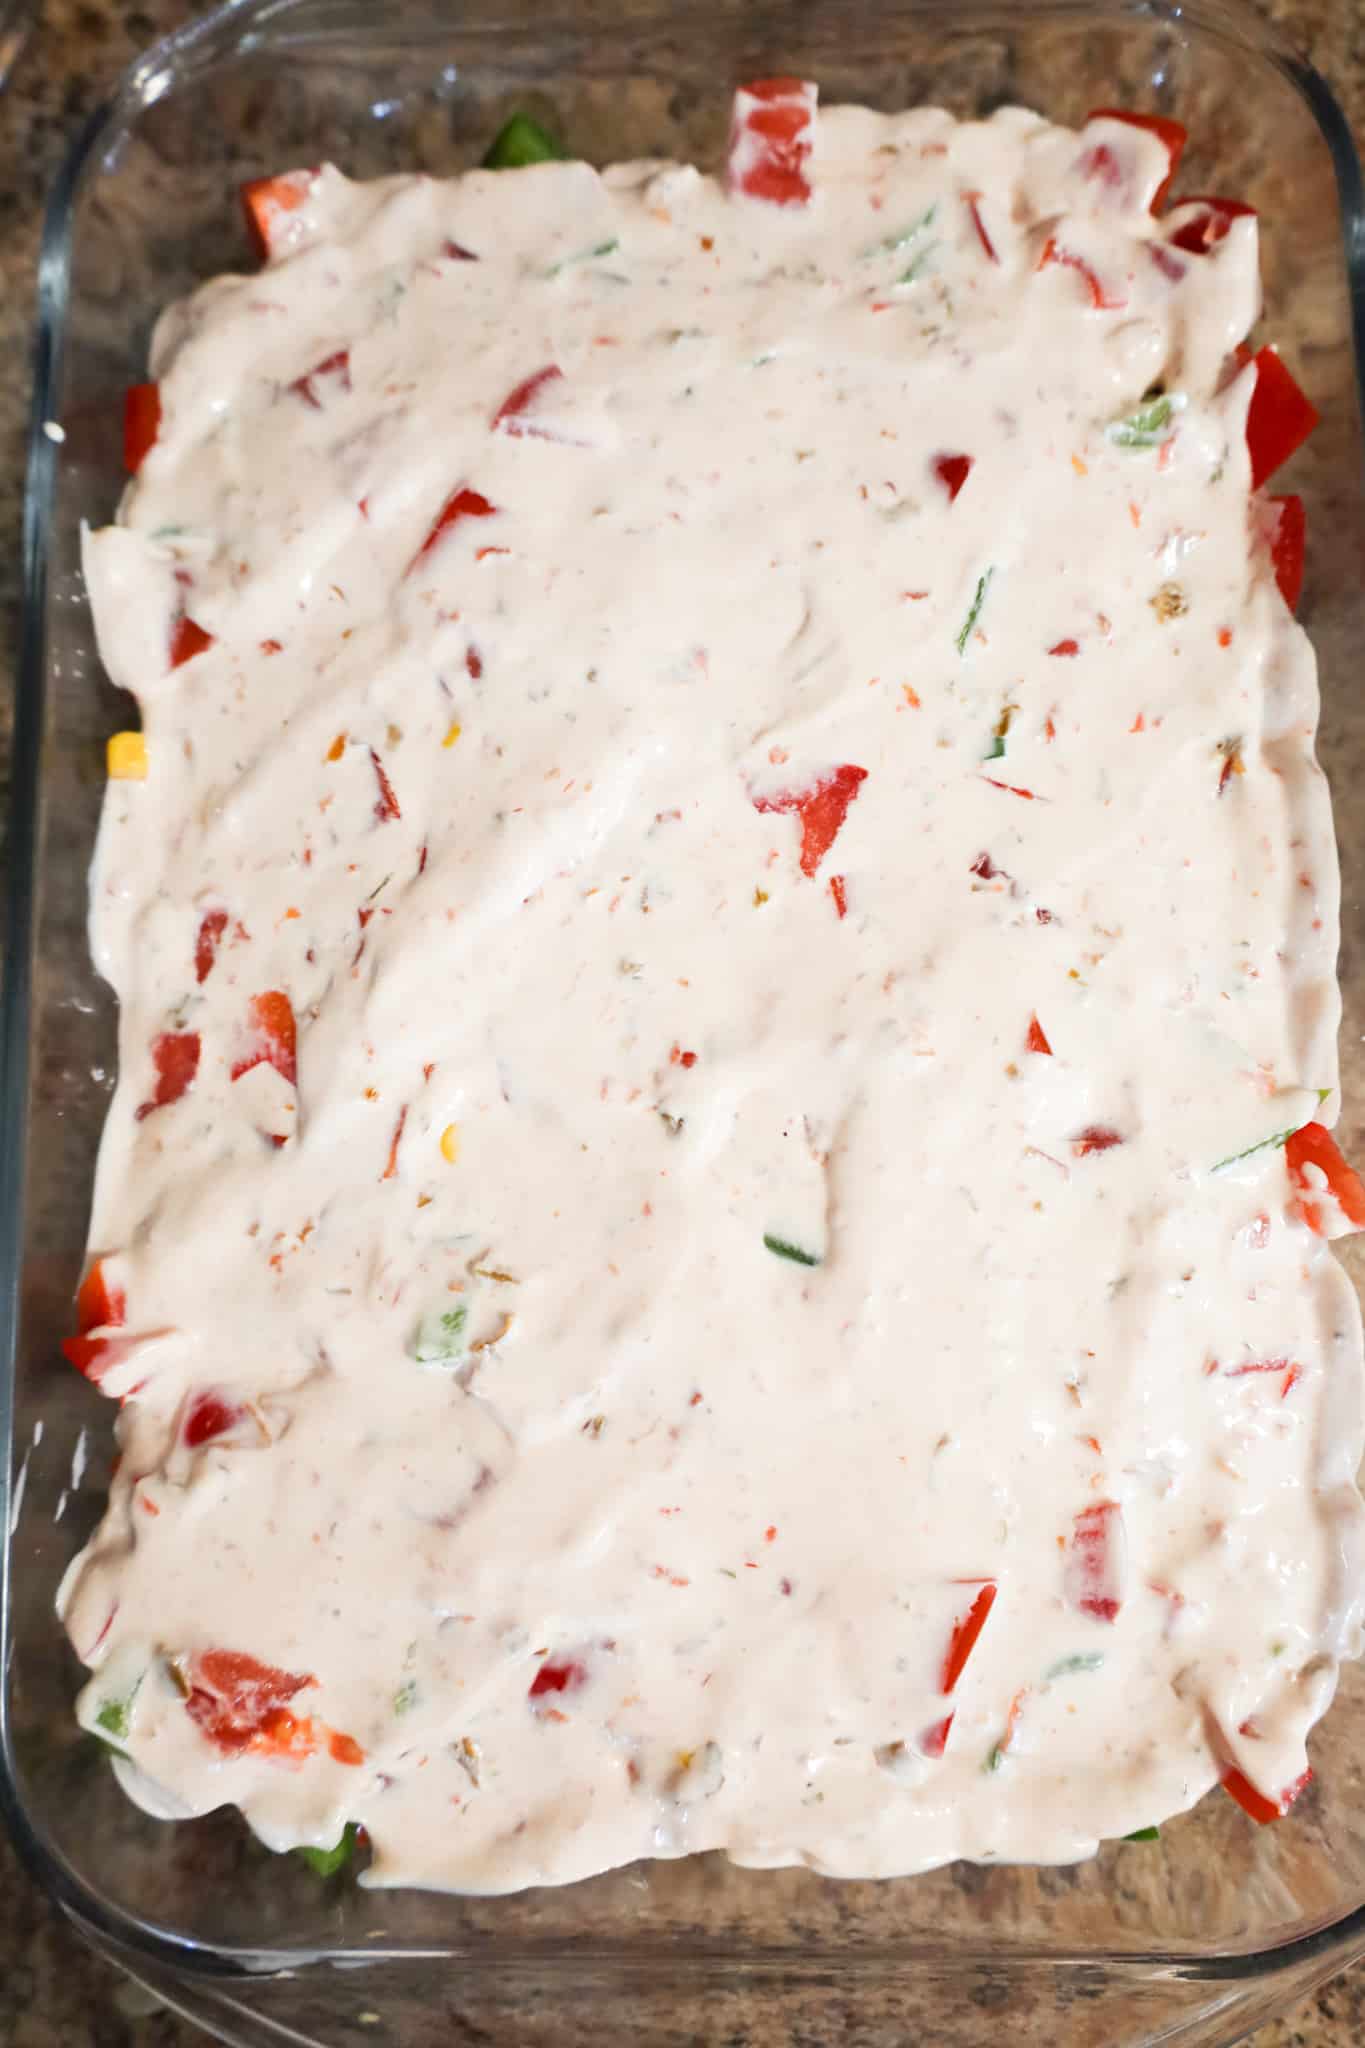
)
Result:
{"points": [[1195, 1937]]}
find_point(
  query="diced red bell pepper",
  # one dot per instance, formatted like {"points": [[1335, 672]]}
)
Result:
{"points": [[337, 366], [386, 803], [553, 1677], [1314, 1145], [1255, 1804], [1037, 1037], [963, 1639], [1287, 547], [1292, 1373], [1169, 266], [838, 889], [1173, 133], [1095, 1138], [772, 130], [1202, 231], [1279, 419], [1095, 1561], [1100, 297], [84, 1352], [821, 809], [175, 1055], [266, 201], [98, 1305], [934, 1740], [1100, 162], [208, 1416], [511, 416], [141, 424], [212, 925], [239, 1703], [94, 1356], [973, 200], [461, 504], [952, 472], [187, 640], [270, 1019]]}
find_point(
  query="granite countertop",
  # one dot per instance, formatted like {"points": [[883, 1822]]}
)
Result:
{"points": [[51, 1990]]}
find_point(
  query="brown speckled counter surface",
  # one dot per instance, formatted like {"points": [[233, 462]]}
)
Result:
{"points": [[51, 1990]]}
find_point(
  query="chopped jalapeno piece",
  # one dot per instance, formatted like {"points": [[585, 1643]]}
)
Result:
{"points": [[783, 1250], [521, 141], [441, 1336], [1148, 426], [327, 1862]]}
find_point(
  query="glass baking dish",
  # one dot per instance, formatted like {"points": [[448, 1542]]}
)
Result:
{"points": [[1195, 1937]]}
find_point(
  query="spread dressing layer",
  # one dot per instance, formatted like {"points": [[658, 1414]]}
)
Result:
{"points": [[729, 908]]}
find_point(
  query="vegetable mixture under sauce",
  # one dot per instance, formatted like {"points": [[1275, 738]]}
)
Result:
{"points": [[712, 1233]]}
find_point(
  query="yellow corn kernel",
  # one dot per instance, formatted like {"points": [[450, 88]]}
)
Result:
{"points": [[450, 1143], [126, 757], [453, 734]]}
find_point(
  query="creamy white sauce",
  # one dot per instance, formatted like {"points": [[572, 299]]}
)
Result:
{"points": [[737, 1504]]}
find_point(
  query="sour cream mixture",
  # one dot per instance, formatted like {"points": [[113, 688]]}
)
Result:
{"points": [[730, 877]]}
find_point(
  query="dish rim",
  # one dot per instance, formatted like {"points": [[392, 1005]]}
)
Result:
{"points": [[232, 27]]}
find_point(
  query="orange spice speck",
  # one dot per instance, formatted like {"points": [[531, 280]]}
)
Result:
{"points": [[392, 1167]]}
